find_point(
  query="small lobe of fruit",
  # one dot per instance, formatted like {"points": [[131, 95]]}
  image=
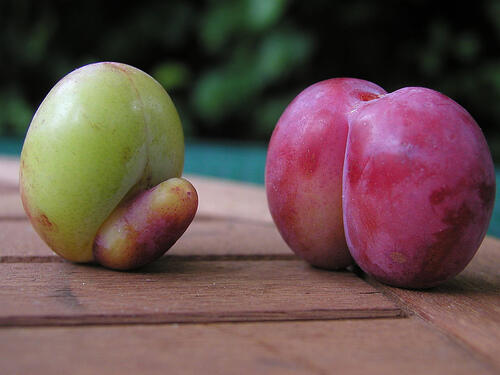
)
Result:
{"points": [[143, 228]]}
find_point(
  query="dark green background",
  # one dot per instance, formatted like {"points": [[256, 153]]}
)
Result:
{"points": [[232, 66]]}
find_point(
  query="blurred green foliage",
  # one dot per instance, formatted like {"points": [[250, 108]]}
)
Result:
{"points": [[232, 66]]}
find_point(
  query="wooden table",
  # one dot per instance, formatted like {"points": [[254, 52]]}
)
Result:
{"points": [[230, 298]]}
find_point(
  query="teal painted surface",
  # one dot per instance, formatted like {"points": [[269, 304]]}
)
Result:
{"points": [[494, 228], [241, 162], [10, 146], [235, 161]]}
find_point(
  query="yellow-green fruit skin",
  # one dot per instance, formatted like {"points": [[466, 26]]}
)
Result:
{"points": [[106, 131]]}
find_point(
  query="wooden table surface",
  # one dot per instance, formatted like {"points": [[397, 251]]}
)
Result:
{"points": [[231, 298]]}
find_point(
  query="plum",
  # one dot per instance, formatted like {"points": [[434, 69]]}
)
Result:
{"points": [[419, 187], [100, 146], [304, 169], [402, 182]]}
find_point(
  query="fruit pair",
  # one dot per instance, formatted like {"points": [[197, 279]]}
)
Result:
{"points": [[403, 182]]}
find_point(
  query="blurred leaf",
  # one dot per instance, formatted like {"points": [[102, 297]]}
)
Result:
{"points": [[221, 92], [281, 52], [219, 23], [35, 39], [15, 114], [171, 75], [430, 63], [493, 14], [433, 55], [36, 45], [185, 115], [359, 12], [261, 14], [178, 24], [491, 74], [467, 47], [168, 22], [267, 115]]}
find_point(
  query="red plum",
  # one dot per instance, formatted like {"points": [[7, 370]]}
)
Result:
{"points": [[402, 182]]}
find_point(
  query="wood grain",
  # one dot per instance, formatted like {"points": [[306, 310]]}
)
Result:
{"points": [[231, 200], [19, 239], [10, 205], [9, 174], [467, 307], [183, 290], [208, 237], [381, 346]]}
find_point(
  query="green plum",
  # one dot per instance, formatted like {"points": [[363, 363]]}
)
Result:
{"points": [[101, 141]]}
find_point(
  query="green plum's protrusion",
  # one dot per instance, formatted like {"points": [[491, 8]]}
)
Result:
{"points": [[141, 229]]}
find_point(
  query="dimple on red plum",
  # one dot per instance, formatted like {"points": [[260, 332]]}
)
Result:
{"points": [[404, 180]]}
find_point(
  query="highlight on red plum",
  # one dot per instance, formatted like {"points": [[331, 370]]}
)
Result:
{"points": [[401, 183]]}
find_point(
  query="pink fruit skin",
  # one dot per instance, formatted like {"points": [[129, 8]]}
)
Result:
{"points": [[304, 169], [419, 188]]}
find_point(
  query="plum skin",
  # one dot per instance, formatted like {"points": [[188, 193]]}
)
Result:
{"points": [[403, 182], [419, 188], [304, 169]]}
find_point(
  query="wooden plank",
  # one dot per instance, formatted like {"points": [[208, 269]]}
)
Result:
{"points": [[229, 199], [382, 346], [11, 206], [467, 308], [9, 174], [183, 290], [229, 237], [217, 198], [19, 240]]}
